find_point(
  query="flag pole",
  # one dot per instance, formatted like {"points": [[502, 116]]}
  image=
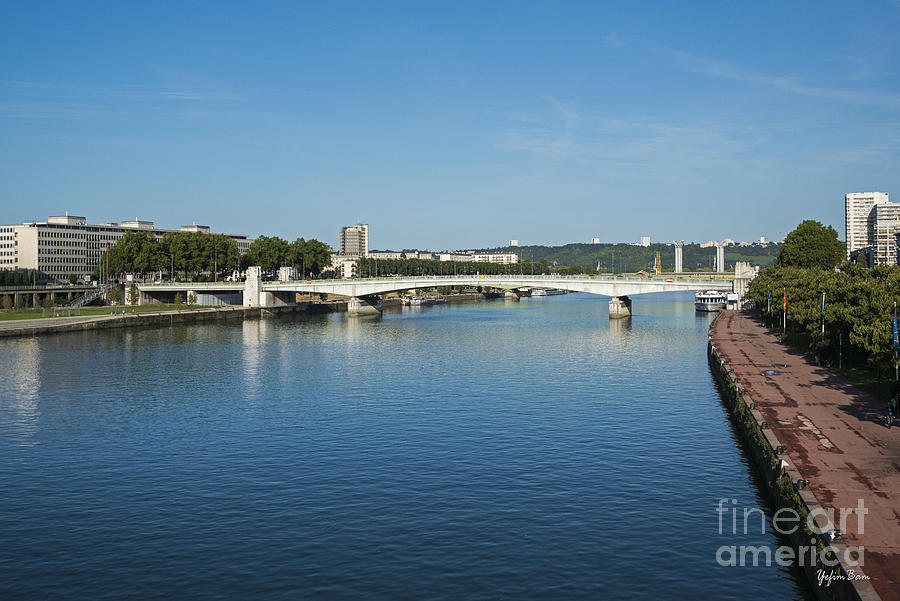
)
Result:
{"points": [[823, 313], [896, 345]]}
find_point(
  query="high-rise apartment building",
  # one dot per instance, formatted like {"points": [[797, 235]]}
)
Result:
{"points": [[884, 224], [354, 240], [67, 245], [859, 229]]}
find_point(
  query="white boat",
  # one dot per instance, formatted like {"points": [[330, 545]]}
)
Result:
{"points": [[711, 300], [547, 291]]}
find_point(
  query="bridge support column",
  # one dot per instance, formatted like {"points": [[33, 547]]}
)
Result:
{"points": [[357, 305], [252, 286], [619, 307], [510, 295], [743, 273]]}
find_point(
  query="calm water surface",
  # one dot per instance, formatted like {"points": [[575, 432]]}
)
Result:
{"points": [[493, 450]]}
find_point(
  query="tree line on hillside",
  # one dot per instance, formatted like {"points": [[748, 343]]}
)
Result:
{"points": [[198, 256], [627, 258], [859, 302]]}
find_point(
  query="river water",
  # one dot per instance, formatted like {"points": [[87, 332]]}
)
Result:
{"points": [[484, 450]]}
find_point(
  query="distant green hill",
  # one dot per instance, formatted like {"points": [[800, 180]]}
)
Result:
{"points": [[629, 258]]}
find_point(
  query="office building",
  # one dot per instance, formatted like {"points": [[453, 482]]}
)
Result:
{"points": [[645, 241], [67, 245], [354, 240]]}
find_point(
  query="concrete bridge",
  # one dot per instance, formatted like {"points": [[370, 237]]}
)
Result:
{"points": [[363, 292]]}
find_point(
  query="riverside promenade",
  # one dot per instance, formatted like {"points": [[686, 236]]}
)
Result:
{"points": [[835, 437]]}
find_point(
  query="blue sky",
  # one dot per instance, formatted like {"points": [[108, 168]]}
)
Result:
{"points": [[450, 125]]}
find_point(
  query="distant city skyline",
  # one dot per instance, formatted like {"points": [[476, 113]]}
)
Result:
{"points": [[454, 126], [359, 231]]}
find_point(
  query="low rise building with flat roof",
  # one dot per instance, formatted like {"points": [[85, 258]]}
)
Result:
{"points": [[405, 254], [67, 245]]}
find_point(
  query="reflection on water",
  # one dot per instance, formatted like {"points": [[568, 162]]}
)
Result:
{"points": [[526, 450], [619, 330], [254, 334], [20, 387]]}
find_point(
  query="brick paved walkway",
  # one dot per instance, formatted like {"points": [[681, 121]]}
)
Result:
{"points": [[834, 433]]}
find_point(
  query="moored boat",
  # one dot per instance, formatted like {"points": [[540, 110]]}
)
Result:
{"points": [[711, 300]]}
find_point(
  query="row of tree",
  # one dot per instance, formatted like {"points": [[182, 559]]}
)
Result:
{"points": [[311, 257], [858, 314], [196, 254], [20, 277], [385, 267], [368, 267], [858, 302], [26, 301]]}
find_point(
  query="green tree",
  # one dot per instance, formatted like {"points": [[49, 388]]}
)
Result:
{"points": [[7, 303], [267, 252], [135, 252], [179, 300], [134, 295], [310, 257], [222, 254], [811, 245], [191, 298], [115, 295]]}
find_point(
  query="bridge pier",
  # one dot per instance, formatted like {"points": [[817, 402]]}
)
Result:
{"points": [[253, 286], [619, 307], [510, 295], [362, 305]]}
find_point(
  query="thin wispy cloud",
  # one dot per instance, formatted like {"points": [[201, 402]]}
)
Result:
{"points": [[550, 134], [563, 133], [51, 101], [613, 39], [785, 83]]}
